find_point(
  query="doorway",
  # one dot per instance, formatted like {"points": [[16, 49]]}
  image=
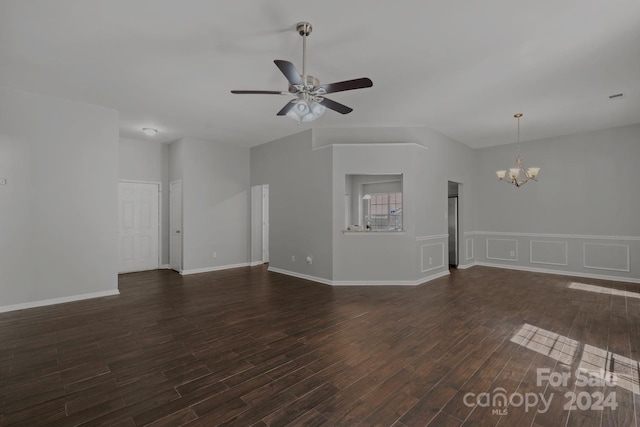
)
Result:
{"points": [[265, 224], [138, 226], [175, 225], [453, 223], [259, 224]]}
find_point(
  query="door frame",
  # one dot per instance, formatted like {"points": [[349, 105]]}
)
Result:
{"points": [[259, 226], [457, 231], [459, 217], [181, 226], [159, 184], [266, 229]]}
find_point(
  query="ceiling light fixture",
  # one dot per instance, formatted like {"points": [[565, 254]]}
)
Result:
{"points": [[518, 175], [306, 109], [149, 131], [310, 101]]}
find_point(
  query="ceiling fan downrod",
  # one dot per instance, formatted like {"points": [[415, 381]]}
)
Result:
{"points": [[304, 29]]}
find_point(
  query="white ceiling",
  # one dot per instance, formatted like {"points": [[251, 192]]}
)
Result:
{"points": [[457, 66]]}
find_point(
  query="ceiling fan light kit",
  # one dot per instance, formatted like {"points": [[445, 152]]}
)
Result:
{"points": [[310, 101]]}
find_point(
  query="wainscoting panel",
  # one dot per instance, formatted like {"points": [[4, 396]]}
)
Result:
{"points": [[603, 257], [432, 256], [502, 249], [469, 249], [606, 256], [548, 252]]}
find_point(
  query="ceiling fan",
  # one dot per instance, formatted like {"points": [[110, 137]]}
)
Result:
{"points": [[310, 101]]}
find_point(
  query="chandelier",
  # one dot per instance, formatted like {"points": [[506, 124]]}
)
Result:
{"points": [[518, 175]]}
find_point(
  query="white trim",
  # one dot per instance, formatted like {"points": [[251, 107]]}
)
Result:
{"points": [[465, 266], [501, 259], [467, 246], [566, 252], [584, 257], [360, 282], [165, 267], [417, 282], [300, 275], [372, 144], [434, 237], [181, 224], [432, 277], [374, 283], [561, 273], [135, 181], [379, 233], [422, 257], [62, 300], [254, 263], [216, 268], [559, 236]]}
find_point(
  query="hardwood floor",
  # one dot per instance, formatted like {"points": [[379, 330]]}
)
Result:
{"points": [[248, 347]]}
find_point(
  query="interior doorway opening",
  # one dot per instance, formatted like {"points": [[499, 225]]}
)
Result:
{"points": [[175, 225], [259, 224], [453, 217]]}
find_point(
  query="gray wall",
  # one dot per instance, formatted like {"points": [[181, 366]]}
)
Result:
{"points": [[582, 214], [447, 160], [422, 250], [300, 189], [58, 211], [215, 197], [175, 161], [148, 161], [373, 256]]}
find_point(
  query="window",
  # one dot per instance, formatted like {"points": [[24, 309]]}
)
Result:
{"points": [[374, 203], [386, 211]]}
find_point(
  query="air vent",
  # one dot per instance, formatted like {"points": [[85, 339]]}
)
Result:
{"points": [[616, 96]]}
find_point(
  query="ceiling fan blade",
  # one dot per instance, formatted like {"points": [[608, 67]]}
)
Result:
{"points": [[260, 92], [336, 106], [286, 109], [289, 70], [347, 85]]}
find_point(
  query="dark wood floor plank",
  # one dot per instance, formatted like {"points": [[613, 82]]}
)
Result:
{"points": [[300, 406], [424, 410], [250, 347]]}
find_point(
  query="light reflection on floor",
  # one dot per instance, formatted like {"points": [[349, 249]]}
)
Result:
{"points": [[546, 342], [595, 362], [603, 290]]}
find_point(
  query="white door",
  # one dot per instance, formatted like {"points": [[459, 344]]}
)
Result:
{"points": [[265, 223], [139, 226], [175, 225]]}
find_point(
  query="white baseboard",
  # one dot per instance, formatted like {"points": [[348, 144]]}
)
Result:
{"points": [[254, 263], [216, 268], [561, 273], [360, 282], [433, 277], [42, 303], [165, 267], [465, 266], [301, 276]]}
